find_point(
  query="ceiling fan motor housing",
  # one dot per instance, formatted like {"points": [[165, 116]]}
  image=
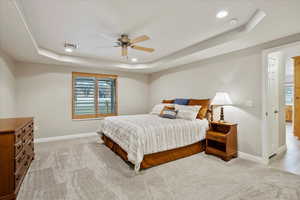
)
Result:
{"points": [[125, 41]]}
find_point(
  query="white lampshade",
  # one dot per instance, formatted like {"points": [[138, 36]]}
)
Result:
{"points": [[221, 98]]}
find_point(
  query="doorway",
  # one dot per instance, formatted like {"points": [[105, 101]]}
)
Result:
{"points": [[283, 147]]}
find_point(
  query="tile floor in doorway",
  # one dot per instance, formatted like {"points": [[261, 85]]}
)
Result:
{"points": [[289, 161]]}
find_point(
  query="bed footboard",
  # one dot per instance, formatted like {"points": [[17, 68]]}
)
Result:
{"points": [[154, 159]]}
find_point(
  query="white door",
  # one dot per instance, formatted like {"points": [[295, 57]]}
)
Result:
{"points": [[274, 61]]}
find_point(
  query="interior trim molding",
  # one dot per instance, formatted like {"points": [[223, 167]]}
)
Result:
{"points": [[169, 60], [242, 155], [281, 149], [64, 137], [253, 158]]}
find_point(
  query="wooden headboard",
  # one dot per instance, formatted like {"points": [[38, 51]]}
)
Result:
{"points": [[205, 111]]}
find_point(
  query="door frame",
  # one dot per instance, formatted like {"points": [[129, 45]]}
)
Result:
{"points": [[266, 135]]}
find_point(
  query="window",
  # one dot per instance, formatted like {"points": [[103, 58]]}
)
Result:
{"points": [[289, 94], [93, 95]]}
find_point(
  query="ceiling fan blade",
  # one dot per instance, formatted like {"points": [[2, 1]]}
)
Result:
{"points": [[124, 51], [142, 48], [139, 39]]}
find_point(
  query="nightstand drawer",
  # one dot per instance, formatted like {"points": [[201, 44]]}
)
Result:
{"points": [[216, 136]]}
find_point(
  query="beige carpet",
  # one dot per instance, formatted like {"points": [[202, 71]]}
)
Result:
{"points": [[83, 169]]}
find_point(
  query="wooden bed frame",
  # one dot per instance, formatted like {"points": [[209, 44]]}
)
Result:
{"points": [[158, 158]]}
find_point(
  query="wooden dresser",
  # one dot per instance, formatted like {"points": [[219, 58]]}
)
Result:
{"points": [[16, 154]]}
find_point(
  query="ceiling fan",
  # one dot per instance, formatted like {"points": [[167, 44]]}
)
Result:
{"points": [[124, 42]]}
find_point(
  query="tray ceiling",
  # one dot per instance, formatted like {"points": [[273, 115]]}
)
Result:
{"points": [[178, 29]]}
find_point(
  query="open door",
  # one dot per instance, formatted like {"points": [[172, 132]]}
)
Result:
{"points": [[274, 60], [297, 97]]}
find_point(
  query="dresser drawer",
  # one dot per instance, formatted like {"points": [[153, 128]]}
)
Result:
{"points": [[29, 149], [19, 175], [23, 167], [19, 134], [20, 159], [216, 137], [18, 148], [29, 126], [27, 137]]}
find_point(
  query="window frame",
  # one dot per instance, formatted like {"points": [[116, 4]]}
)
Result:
{"points": [[286, 85], [96, 76]]}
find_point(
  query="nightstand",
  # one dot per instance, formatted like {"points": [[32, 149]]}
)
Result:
{"points": [[221, 140]]}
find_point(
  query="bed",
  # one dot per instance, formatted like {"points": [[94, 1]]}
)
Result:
{"points": [[149, 140]]}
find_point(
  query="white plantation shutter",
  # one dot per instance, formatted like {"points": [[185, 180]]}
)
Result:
{"points": [[94, 95], [84, 96], [106, 97]]}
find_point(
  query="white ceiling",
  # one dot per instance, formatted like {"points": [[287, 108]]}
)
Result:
{"points": [[181, 31]]}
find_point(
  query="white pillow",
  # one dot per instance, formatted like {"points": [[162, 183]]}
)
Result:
{"points": [[156, 110], [187, 112]]}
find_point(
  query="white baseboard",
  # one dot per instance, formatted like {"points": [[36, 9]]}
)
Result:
{"points": [[281, 149], [253, 158], [65, 137]]}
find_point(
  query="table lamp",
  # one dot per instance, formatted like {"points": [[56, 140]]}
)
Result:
{"points": [[221, 99]]}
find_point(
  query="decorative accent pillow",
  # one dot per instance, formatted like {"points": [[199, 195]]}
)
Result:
{"points": [[187, 112], [204, 106], [181, 101], [156, 110], [167, 108], [168, 113]]}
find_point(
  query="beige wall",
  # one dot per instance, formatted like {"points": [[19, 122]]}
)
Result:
{"points": [[7, 86], [44, 91], [239, 74]]}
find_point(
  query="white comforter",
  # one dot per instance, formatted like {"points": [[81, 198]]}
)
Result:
{"points": [[139, 135]]}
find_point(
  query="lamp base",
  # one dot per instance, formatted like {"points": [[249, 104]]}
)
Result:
{"points": [[222, 115]]}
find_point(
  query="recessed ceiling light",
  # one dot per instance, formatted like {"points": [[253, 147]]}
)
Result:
{"points": [[134, 59], [67, 49], [222, 14], [70, 47]]}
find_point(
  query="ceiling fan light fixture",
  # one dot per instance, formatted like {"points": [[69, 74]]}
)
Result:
{"points": [[222, 14]]}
